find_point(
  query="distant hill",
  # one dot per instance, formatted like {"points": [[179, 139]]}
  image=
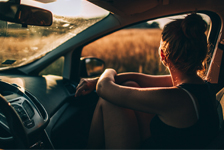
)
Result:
{"points": [[145, 25], [2, 24]]}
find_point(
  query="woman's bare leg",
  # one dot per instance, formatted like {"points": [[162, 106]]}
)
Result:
{"points": [[118, 130], [117, 127], [96, 133], [143, 119]]}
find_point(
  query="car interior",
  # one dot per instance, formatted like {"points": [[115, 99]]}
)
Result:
{"points": [[38, 108]]}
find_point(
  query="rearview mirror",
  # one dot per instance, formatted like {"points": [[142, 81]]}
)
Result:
{"points": [[91, 67], [24, 14]]}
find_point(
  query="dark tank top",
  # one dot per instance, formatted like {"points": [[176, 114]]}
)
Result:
{"points": [[196, 136]]}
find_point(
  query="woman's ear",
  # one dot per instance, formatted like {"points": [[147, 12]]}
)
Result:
{"points": [[162, 56]]}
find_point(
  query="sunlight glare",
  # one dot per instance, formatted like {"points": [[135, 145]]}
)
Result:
{"points": [[70, 8]]}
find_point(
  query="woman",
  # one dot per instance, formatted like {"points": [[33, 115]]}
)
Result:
{"points": [[174, 111]]}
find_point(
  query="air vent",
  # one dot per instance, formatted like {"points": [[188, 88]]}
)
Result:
{"points": [[71, 88], [28, 109]]}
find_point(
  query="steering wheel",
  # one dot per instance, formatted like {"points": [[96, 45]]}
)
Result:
{"points": [[15, 126], [21, 116]]}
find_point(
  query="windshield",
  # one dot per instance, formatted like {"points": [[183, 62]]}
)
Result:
{"points": [[22, 45]]}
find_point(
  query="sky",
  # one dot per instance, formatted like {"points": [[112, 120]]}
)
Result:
{"points": [[79, 8], [162, 22]]}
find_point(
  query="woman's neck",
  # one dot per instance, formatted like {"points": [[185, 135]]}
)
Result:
{"points": [[178, 77]]}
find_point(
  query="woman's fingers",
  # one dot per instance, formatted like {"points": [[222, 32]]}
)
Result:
{"points": [[82, 81], [80, 88], [85, 92], [85, 86]]}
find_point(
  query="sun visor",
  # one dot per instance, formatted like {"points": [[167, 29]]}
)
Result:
{"points": [[45, 1], [127, 7]]}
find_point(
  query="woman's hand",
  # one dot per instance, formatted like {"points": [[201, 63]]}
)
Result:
{"points": [[107, 76], [86, 86]]}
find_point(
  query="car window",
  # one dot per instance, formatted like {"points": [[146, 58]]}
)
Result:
{"points": [[133, 49], [55, 68], [22, 45]]}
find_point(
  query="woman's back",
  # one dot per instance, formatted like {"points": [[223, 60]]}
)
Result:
{"points": [[196, 136]]}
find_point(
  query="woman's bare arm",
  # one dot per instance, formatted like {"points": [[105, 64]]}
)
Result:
{"points": [[145, 80], [151, 100], [88, 85]]}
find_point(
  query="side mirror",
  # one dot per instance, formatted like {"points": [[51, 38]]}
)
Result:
{"points": [[91, 67], [23, 14]]}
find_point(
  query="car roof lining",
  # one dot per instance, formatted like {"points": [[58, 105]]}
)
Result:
{"points": [[128, 7]]}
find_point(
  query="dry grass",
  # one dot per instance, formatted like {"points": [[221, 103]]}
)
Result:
{"points": [[129, 50], [24, 45], [25, 49]]}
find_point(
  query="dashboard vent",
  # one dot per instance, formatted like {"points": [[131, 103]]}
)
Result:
{"points": [[28, 109], [71, 88]]}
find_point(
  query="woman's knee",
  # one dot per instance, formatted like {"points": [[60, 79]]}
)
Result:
{"points": [[106, 106], [105, 103], [131, 84]]}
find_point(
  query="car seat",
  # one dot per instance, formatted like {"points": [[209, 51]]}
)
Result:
{"points": [[218, 142]]}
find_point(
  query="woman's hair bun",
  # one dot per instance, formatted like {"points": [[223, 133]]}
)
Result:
{"points": [[193, 26]]}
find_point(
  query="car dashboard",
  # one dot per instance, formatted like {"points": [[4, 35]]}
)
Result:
{"points": [[47, 106], [31, 112]]}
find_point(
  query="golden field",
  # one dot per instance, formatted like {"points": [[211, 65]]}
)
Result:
{"points": [[21, 49], [129, 50]]}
